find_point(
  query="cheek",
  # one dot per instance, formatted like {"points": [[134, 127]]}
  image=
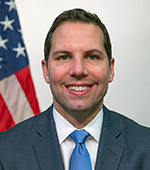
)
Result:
{"points": [[56, 75], [101, 74]]}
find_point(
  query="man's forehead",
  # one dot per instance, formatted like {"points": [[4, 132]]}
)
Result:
{"points": [[75, 36], [76, 24]]}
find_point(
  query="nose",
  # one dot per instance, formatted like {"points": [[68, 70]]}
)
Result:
{"points": [[78, 68]]}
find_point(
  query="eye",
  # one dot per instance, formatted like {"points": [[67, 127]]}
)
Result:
{"points": [[92, 57], [64, 57]]}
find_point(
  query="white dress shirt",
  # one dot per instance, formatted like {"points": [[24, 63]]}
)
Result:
{"points": [[64, 129]]}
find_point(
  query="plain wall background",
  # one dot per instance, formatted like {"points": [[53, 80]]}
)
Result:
{"points": [[129, 28]]}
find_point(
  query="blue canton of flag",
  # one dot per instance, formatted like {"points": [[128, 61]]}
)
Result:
{"points": [[13, 56]]}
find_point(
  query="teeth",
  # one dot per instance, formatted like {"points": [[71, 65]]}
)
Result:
{"points": [[78, 88]]}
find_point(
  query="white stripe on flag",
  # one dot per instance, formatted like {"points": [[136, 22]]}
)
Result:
{"points": [[15, 99]]}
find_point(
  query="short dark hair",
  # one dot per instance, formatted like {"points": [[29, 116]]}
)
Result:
{"points": [[77, 15]]}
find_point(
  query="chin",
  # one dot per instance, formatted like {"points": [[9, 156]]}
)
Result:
{"points": [[79, 109]]}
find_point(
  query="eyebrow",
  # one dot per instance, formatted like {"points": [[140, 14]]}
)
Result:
{"points": [[94, 50], [87, 52], [61, 51]]}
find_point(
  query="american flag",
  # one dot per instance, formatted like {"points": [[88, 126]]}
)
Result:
{"points": [[17, 94]]}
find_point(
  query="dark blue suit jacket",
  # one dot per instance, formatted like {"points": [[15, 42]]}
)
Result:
{"points": [[33, 145]]}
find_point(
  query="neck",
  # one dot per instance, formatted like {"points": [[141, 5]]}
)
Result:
{"points": [[79, 118]]}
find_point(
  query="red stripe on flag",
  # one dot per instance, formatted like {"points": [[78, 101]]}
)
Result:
{"points": [[25, 80], [5, 116]]}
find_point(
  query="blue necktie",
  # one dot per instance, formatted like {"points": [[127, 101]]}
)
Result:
{"points": [[80, 158]]}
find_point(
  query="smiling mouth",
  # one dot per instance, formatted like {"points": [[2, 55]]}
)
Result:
{"points": [[79, 88]]}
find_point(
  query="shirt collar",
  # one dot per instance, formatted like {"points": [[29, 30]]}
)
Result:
{"points": [[64, 128], [94, 127]]}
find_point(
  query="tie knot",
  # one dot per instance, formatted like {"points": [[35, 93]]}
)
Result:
{"points": [[79, 136]]}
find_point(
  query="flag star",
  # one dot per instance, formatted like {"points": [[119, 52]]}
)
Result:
{"points": [[0, 61], [7, 23], [20, 50], [2, 43], [11, 5], [20, 31]]}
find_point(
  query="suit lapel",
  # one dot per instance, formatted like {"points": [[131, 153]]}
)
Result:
{"points": [[47, 146], [110, 147]]}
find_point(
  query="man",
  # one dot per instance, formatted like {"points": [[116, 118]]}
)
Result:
{"points": [[78, 67]]}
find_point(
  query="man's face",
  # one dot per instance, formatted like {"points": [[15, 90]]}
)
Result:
{"points": [[78, 68]]}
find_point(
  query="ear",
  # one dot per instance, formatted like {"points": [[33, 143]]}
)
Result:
{"points": [[111, 70], [45, 71]]}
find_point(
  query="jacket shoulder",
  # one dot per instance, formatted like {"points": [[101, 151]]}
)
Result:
{"points": [[23, 130], [130, 130]]}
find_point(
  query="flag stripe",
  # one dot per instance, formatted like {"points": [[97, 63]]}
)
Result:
{"points": [[5, 117], [15, 99], [25, 80]]}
